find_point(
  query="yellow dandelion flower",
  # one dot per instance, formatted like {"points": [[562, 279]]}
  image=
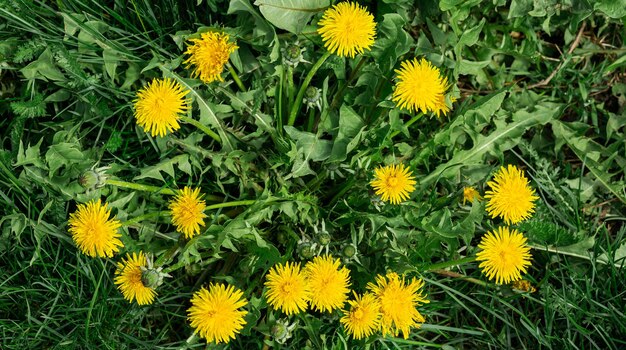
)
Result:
{"points": [[208, 55], [347, 29], [287, 288], [187, 210], [128, 278], [393, 183], [215, 314], [363, 318], [511, 196], [159, 105], [504, 255], [93, 232], [470, 195], [398, 303], [420, 86], [328, 283]]}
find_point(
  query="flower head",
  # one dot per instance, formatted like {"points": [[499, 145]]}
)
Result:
{"points": [[209, 54], [159, 105], [215, 314], [504, 255], [347, 29], [287, 288], [393, 183], [398, 303], [128, 277], [363, 318], [187, 210], [328, 283], [420, 86], [470, 195], [511, 196], [93, 232]]}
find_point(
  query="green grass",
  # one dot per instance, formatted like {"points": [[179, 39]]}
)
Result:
{"points": [[69, 72]]}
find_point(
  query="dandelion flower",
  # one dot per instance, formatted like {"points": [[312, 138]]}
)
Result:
{"points": [[128, 278], [393, 183], [511, 196], [215, 314], [287, 288], [363, 318], [420, 86], [470, 195], [398, 303], [209, 54], [504, 255], [93, 232], [159, 105], [347, 29], [187, 210], [328, 283]]}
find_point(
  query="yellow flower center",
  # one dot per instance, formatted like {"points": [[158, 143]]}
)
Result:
{"points": [[357, 314], [392, 181]]}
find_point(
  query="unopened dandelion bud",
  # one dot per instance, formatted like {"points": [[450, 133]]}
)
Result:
{"points": [[93, 178], [282, 330], [88, 179], [151, 278], [349, 251], [324, 238], [292, 55], [312, 97], [307, 251]]}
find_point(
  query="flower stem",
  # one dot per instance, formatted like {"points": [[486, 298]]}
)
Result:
{"points": [[155, 189], [140, 218], [235, 76], [307, 80], [409, 123], [446, 264], [202, 128], [140, 187], [231, 204]]}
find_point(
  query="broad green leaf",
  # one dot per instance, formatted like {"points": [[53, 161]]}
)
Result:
{"points": [[392, 41], [205, 110], [166, 166], [308, 148], [350, 124], [291, 15], [63, 154], [30, 156], [494, 143], [111, 61], [612, 8], [520, 8], [470, 37], [43, 68], [590, 154]]}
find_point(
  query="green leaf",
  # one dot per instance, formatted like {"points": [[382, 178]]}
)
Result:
{"points": [[392, 41], [350, 125], [495, 143], [206, 112], [308, 148], [612, 8], [520, 8], [32, 156], [290, 15], [111, 61], [166, 166], [470, 36], [43, 68], [63, 154]]}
